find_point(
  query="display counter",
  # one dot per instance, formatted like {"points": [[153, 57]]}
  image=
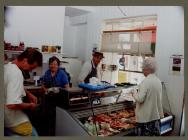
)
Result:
{"points": [[104, 118], [79, 112], [110, 118]]}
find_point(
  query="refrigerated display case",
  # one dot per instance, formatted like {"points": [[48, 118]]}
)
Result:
{"points": [[103, 120], [104, 114]]}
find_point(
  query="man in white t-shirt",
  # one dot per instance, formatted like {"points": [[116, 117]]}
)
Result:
{"points": [[15, 119], [90, 68]]}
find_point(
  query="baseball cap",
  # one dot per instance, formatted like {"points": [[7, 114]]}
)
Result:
{"points": [[96, 53]]}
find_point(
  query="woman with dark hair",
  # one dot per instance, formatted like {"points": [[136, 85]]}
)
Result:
{"points": [[55, 76]]}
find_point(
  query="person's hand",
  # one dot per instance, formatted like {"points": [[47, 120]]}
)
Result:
{"points": [[132, 92], [32, 106], [44, 88], [32, 98]]}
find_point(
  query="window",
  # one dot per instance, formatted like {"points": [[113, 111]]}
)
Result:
{"points": [[132, 39]]}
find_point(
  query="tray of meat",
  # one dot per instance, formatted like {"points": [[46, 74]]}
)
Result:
{"points": [[123, 115], [119, 125], [113, 115], [102, 118], [104, 132]]}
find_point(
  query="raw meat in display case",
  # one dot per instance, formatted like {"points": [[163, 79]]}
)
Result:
{"points": [[114, 122], [102, 123]]}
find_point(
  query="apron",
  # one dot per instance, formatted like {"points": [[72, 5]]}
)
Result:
{"points": [[93, 73]]}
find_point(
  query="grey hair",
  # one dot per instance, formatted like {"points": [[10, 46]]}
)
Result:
{"points": [[149, 63]]}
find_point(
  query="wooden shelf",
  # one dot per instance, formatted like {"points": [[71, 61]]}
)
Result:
{"points": [[13, 51], [54, 53], [130, 71]]}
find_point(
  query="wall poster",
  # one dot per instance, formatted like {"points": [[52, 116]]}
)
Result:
{"points": [[176, 65]]}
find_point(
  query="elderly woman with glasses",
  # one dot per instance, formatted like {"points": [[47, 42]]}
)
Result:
{"points": [[149, 101]]}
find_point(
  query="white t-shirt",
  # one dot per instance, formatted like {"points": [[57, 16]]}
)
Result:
{"points": [[86, 69], [14, 91]]}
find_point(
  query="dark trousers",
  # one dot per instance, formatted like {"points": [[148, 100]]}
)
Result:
{"points": [[148, 129]]}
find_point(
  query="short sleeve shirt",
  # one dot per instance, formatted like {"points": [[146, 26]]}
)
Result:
{"points": [[14, 91], [59, 80]]}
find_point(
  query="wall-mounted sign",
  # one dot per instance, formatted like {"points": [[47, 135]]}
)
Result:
{"points": [[176, 65]]}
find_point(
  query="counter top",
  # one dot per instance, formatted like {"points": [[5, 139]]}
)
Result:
{"points": [[109, 90], [74, 90], [32, 87]]}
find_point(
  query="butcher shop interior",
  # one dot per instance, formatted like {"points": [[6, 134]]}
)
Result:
{"points": [[101, 71]]}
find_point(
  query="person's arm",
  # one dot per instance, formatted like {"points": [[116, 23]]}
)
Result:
{"points": [[86, 69], [21, 106], [141, 95], [31, 97], [15, 91], [31, 105], [44, 88]]}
